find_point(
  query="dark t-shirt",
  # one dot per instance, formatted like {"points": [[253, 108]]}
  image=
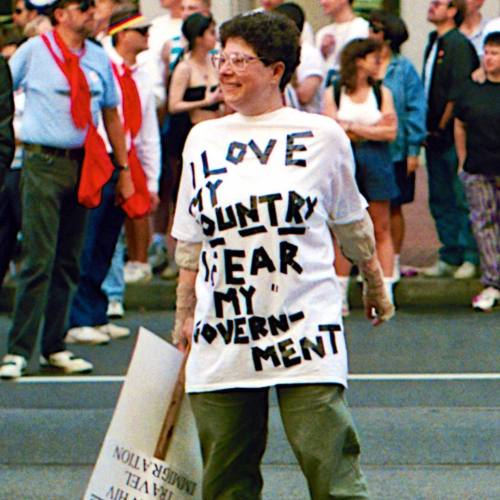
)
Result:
{"points": [[478, 106]]}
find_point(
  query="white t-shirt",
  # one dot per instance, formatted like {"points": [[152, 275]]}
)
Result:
{"points": [[343, 33], [258, 192], [163, 28], [493, 25], [312, 64]]}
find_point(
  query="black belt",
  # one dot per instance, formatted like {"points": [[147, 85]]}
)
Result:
{"points": [[71, 154]]}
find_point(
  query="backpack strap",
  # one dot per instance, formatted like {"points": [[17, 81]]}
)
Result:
{"points": [[377, 89]]}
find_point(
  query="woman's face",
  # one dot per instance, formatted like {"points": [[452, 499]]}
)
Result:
{"points": [[247, 84], [370, 64], [209, 38]]}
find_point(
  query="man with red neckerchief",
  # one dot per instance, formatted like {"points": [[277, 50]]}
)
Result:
{"points": [[88, 321], [68, 81]]}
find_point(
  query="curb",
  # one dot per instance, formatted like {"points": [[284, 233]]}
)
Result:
{"points": [[416, 291]]}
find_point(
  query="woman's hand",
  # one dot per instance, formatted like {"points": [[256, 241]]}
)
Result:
{"points": [[412, 163], [213, 96], [155, 201]]}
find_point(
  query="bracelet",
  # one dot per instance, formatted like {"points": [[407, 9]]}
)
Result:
{"points": [[123, 168]]}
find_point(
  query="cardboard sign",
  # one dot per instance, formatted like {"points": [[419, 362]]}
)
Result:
{"points": [[126, 468]]}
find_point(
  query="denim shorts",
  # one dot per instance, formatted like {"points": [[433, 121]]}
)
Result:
{"points": [[405, 183], [375, 171]]}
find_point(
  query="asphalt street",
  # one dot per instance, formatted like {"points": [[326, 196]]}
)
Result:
{"points": [[424, 389]]}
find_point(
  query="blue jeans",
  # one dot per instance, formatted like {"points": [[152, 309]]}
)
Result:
{"points": [[105, 222], [449, 208], [114, 284]]}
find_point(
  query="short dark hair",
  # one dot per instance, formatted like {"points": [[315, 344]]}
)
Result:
{"points": [[492, 38], [294, 12], [273, 37], [461, 7], [358, 48], [194, 26], [393, 27]]}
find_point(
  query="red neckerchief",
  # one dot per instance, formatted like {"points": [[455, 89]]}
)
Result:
{"points": [[139, 204], [97, 167]]}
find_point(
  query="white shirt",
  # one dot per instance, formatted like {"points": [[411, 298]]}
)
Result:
{"points": [[493, 25], [147, 140], [258, 194], [312, 64], [343, 33], [365, 113], [163, 28]]}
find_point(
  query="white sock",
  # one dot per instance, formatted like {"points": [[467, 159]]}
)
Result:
{"points": [[388, 283]]}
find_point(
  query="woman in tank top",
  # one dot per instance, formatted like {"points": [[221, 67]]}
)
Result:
{"points": [[365, 110]]}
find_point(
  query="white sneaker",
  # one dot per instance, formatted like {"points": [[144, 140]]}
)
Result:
{"points": [[157, 255], [439, 269], [12, 366], [466, 271], [113, 331], [115, 309], [486, 300], [137, 272], [170, 272], [67, 362], [86, 335]]}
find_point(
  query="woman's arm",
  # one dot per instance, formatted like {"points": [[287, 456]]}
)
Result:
{"points": [[386, 129], [186, 256], [460, 142], [329, 108], [178, 86]]}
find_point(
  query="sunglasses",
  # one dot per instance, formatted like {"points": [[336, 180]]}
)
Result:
{"points": [[84, 5], [143, 30]]}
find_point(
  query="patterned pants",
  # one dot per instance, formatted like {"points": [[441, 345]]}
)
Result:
{"points": [[483, 196]]}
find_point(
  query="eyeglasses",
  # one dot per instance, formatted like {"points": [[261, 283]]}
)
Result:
{"points": [[236, 60], [84, 5], [143, 30]]}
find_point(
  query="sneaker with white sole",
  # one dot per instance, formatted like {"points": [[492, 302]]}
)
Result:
{"points": [[12, 366], [137, 272], [439, 270], [86, 335], [486, 300], [170, 272], [466, 271], [113, 331], [67, 362], [115, 309], [157, 255]]}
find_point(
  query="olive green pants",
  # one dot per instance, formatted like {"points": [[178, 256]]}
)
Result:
{"points": [[232, 426]]}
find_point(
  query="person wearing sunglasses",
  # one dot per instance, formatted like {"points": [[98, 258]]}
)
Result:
{"points": [[402, 79], [259, 189], [88, 322], [449, 60], [68, 83], [22, 14]]}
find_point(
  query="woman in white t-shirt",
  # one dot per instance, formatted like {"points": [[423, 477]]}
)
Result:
{"points": [[365, 110], [258, 299]]}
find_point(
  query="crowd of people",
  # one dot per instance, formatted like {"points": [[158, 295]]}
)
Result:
{"points": [[122, 97], [277, 161]]}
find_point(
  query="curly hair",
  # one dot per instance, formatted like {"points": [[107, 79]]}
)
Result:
{"points": [[356, 49], [273, 37]]}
